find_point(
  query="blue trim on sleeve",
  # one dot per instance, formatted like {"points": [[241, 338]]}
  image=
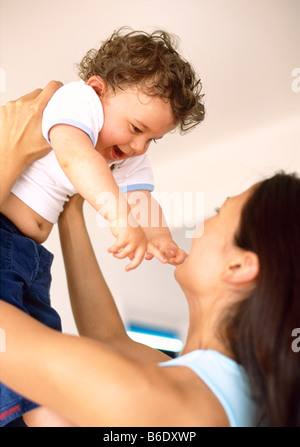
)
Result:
{"points": [[137, 187], [73, 123]]}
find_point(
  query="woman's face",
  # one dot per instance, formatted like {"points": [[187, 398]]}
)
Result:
{"points": [[214, 249]]}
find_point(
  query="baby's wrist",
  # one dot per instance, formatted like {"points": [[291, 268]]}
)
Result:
{"points": [[123, 223], [160, 235], [123, 220]]}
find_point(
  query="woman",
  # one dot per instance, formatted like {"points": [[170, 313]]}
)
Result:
{"points": [[242, 286]]}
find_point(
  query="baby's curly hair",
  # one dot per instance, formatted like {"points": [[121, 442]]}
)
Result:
{"points": [[151, 61]]}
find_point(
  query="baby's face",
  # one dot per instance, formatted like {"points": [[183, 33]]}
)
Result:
{"points": [[132, 119]]}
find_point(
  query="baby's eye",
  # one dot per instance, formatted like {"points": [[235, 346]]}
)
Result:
{"points": [[217, 210], [136, 129]]}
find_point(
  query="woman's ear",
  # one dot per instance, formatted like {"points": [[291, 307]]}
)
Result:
{"points": [[98, 84], [243, 269]]}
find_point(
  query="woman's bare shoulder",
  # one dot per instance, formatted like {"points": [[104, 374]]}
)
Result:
{"points": [[194, 403]]}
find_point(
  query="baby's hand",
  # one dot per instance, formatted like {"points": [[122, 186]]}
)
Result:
{"points": [[165, 249], [131, 241]]}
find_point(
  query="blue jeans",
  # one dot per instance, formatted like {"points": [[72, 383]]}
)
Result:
{"points": [[25, 280]]}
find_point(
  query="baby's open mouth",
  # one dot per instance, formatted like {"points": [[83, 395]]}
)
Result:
{"points": [[117, 153]]}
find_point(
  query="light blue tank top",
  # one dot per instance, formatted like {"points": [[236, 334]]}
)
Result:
{"points": [[227, 380]]}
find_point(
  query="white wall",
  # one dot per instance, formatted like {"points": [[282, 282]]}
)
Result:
{"points": [[247, 54]]}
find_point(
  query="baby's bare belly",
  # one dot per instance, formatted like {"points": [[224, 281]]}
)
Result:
{"points": [[25, 219]]}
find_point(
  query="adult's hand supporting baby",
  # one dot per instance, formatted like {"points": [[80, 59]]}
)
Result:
{"points": [[21, 139]]}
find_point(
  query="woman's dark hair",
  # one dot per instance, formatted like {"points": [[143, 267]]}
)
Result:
{"points": [[261, 330], [151, 61]]}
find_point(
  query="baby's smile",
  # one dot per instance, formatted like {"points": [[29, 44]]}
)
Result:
{"points": [[117, 154]]}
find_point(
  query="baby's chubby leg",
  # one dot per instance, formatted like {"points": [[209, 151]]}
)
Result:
{"points": [[43, 417]]}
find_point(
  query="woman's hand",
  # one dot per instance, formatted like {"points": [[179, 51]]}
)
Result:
{"points": [[74, 205], [21, 124], [21, 139]]}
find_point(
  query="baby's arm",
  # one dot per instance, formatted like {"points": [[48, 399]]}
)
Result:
{"points": [[161, 243], [90, 174]]}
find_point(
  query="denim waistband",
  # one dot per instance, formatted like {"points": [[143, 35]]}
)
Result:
{"points": [[8, 225]]}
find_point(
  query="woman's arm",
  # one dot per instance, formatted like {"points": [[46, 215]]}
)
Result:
{"points": [[92, 385], [93, 306], [21, 139]]}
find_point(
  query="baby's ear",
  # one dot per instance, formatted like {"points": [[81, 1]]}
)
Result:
{"points": [[98, 84], [243, 269]]}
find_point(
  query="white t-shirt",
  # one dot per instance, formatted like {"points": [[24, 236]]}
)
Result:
{"points": [[44, 187]]}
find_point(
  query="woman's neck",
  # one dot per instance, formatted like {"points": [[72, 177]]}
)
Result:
{"points": [[205, 315]]}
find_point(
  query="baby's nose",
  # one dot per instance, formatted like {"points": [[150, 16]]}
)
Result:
{"points": [[138, 147]]}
